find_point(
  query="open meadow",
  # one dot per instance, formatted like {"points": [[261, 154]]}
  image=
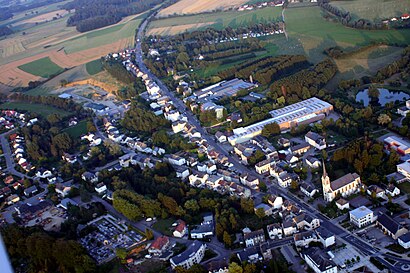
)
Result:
{"points": [[42, 67], [198, 6], [375, 10], [41, 109]]}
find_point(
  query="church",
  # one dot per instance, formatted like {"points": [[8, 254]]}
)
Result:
{"points": [[343, 186]]}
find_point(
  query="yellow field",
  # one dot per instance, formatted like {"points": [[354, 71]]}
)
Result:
{"points": [[198, 6], [45, 17], [172, 30]]}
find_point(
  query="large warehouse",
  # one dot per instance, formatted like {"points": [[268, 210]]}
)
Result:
{"points": [[303, 112]]}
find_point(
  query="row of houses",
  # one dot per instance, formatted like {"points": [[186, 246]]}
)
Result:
{"points": [[17, 143]]}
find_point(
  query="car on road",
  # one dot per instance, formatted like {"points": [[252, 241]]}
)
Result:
{"points": [[148, 220]]}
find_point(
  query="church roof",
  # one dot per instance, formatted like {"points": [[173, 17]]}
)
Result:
{"points": [[343, 181]]}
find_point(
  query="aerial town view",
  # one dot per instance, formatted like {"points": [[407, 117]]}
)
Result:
{"points": [[204, 136]]}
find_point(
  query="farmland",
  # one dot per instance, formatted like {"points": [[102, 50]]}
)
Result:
{"points": [[217, 20], [375, 10], [43, 110], [42, 67], [198, 6], [94, 67], [63, 45]]}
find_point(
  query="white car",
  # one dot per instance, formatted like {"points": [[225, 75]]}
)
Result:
{"points": [[148, 220]]}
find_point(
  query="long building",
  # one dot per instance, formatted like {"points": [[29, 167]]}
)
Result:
{"points": [[303, 112], [223, 89]]}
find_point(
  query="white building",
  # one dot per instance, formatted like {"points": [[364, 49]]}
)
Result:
{"points": [[404, 240], [361, 217], [315, 140], [319, 261], [192, 255]]}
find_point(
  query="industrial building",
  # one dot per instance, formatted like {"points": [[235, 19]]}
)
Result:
{"points": [[223, 89], [303, 112]]}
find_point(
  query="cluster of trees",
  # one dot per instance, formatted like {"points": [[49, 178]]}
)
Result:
{"points": [[400, 66], [181, 51], [117, 70], [7, 12], [33, 250], [367, 158], [346, 19], [93, 14], [64, 104], [5, 30], [305, 83], [138, 119], [267, 69], [134, 206]]}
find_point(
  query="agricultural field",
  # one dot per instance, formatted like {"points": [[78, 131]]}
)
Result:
{"points": [[375, 10], [43, 110], [217, 20], [94, 67], [64, 46], [42, 67], [198, 6]]}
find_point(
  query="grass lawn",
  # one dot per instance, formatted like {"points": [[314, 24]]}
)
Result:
{"points": [[43, 110], [77, 130], [164, 226], [94, 67], [42, 67], [38, 91], [404, 187]]}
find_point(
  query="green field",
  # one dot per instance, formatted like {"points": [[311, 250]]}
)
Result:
{"points": [[77, 130], [104, 36], [217, 20], [94, 67], [375, 10], [42, 67], [41, 109], [313, 34]]}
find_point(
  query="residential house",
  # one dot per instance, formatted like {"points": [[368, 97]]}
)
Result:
{"points": [[250, 255], [390, 226], [283, 142], [305, 221], [275, 201], [69, 158], [66, 202], [62, 190], [250, 180], [308, 189], [275, 231], [220, 137], [180, 230], [319, 261], [404, 240], [392, 190], [174, 159], [254, 238], [100, 188], [264, 166], [315, 140], [192, 255], [30, 191], [284, 179], [268, 210], [90, 177], [289, 228], [376, 191], [303, 239], [218, 266], [12, 199], [43, 173], [326, 237], [181, 172], [300, 149], [159, 246], [204, 230], [342, 204], [312, 162]]}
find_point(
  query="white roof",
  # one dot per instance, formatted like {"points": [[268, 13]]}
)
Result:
{"points": [[360, 212]]}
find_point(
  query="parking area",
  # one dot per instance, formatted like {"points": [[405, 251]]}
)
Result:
{"points": [[375, 236], [348, 259]]}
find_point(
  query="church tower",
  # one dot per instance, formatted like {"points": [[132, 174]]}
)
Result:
{"points": [[326, 183]]}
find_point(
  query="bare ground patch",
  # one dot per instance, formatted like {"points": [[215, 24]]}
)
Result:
{"points": [[198, 6], [172, 30]]}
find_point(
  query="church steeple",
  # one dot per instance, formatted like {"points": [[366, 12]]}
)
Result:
{"points": [[324, 169], [325, 178]]}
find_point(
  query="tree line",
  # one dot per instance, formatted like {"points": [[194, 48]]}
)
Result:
{"points": [[5, 30], [94, 14], [304, 84], [117, 70]]}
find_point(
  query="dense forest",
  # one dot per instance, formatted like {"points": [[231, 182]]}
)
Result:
{"points": [[117, 70], [138, 119], [35, 251], [93, 14]]}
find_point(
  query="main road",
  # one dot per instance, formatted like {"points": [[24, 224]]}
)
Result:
{"points": [[357, 242]]}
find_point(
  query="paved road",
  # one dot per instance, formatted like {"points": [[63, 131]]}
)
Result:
{"points": [[335, 228]]}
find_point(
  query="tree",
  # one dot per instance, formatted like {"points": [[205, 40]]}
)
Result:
{"points": [[294, 185], [192, 205], [271, 129], [384, 119], [227, 239], [235, 268], [260, 212], [91, 127], [149, 234], [249, 268], [121, 253], [373, 92], [247, 205]]}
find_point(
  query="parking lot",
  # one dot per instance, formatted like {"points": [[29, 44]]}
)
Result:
{"points": [[375, 236]]}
